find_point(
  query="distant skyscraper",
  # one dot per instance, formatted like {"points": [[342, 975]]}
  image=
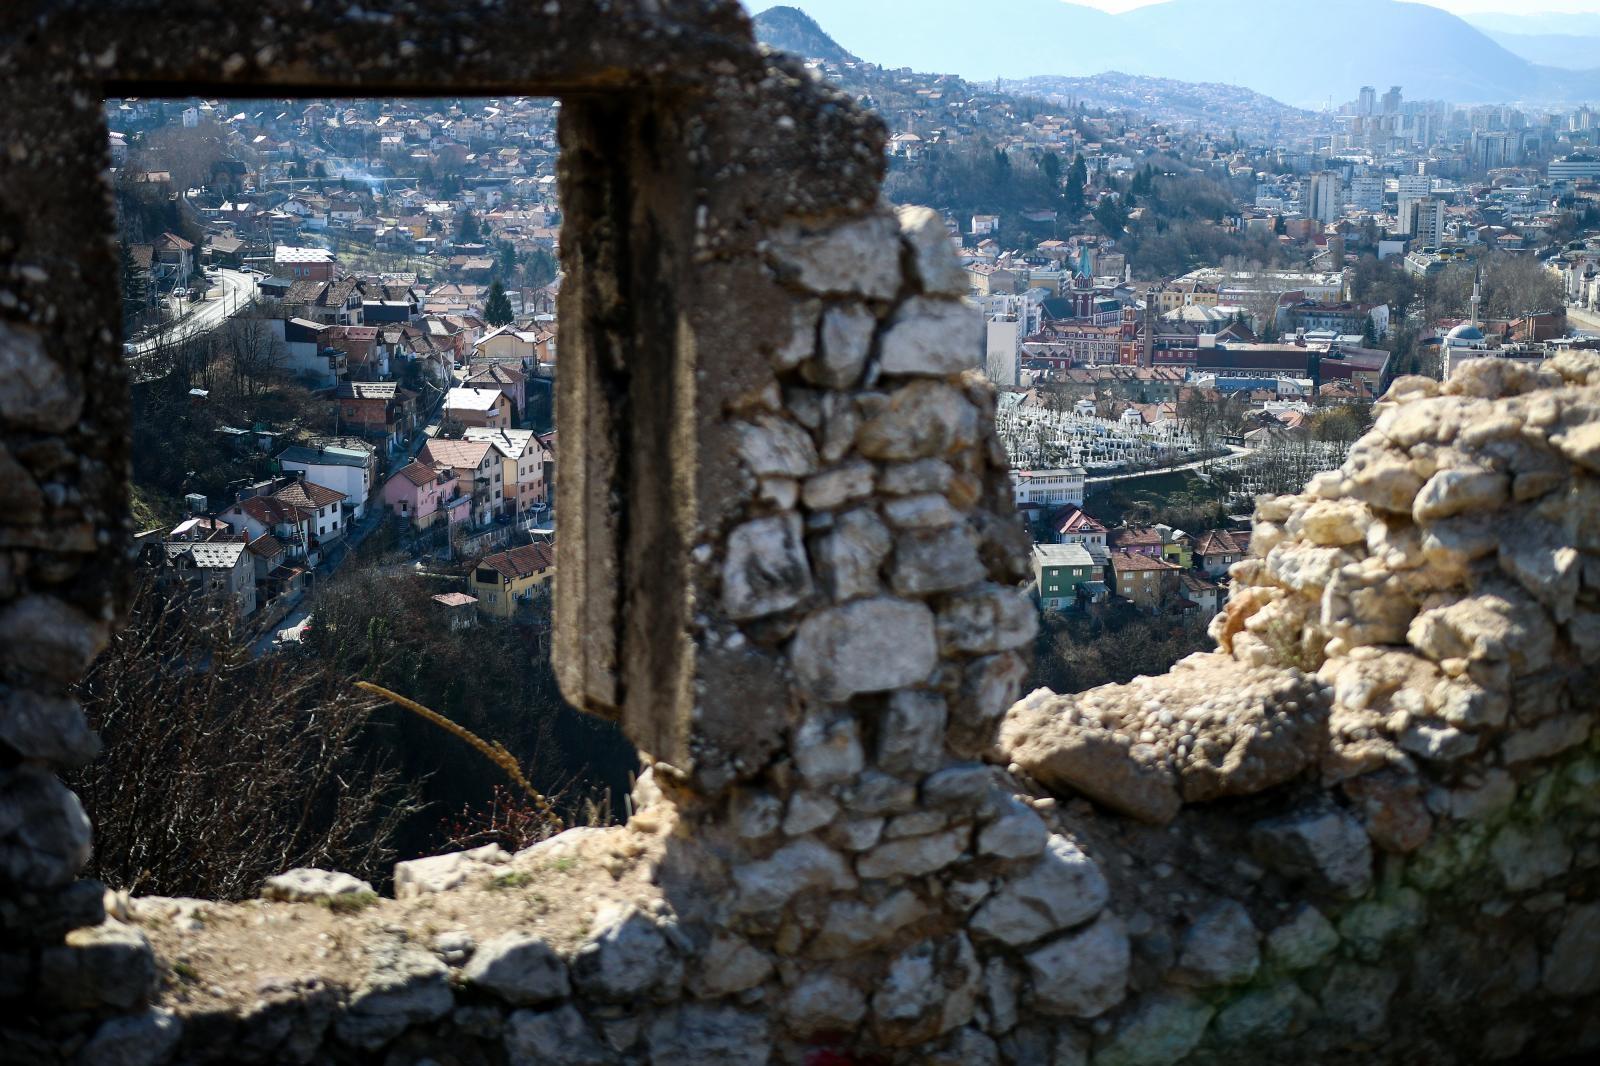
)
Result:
{"points": [[1367, 102], [1422, 218], [1366, 191], [1325, 203], [1391, 101]]}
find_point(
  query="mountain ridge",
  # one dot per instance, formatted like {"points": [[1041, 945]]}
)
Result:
{"points": [[1262, 43]]}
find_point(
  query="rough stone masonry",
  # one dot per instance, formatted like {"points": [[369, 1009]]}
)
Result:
{"points": [[1364, 830]]}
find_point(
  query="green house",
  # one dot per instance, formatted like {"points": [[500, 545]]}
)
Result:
{"points": [[1058, 570]]}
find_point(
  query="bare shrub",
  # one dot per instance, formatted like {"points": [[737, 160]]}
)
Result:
{"points": [[221, 769]]}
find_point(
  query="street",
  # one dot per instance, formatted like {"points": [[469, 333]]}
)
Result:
{"points": [[1236, 454], [237, 291], [1586, 321]]}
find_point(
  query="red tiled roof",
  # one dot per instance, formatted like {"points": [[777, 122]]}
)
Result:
{"points": [[461, 454], [1120, 537], [1074, 520], [526, 561], [418, 472], [266, 546], [308, 495], [1121, 561], [1231, 541]]}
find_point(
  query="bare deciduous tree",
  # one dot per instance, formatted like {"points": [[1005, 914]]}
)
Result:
{"points": [[220, 770]]}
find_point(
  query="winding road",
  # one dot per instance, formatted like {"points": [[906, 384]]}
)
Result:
{"points": [[236, 292]]}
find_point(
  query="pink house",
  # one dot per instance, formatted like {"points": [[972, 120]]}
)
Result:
{"points": [[421, 492]]}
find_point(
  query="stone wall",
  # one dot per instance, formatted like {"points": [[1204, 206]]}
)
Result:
{"points": [[1363, 830]]}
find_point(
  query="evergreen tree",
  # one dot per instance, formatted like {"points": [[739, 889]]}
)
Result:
{"points": [[467, 232], [135, 291], [1050, 167], [497, 311], [1077, 178], [1111, 216]]}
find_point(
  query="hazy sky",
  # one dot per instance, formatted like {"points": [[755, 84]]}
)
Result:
{"points": [[1459, 7]]}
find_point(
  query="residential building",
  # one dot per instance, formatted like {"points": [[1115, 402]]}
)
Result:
{"points": [[522, 465], [479, 466], [1324, 200], [506, 580], [1058, 572], [1204, 593], [219, 569], [302, 264], [1049, 487], [1072, 525], [306, 518], [1150, 583], [347, 464], [484, 408], [422, 493], [507, 377], [377, 410], [1218, 549]]}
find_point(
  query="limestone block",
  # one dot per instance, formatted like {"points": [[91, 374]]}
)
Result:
{"points": [[770, 446], [932, 338], [1018, 833], [1264, 1014], [441, 873], [936, 561], [846, 340], [709, 1035], [521, 970], [1164, 1028], [911, 732], [1063, 889], [988, 620], [808, 811], [729, 965], [865, 646], [1221, 947], [802, 340], [827, 751], [823, 1001], [1573, 966], [1082, 974], [849, 556], [624, 957], [99, 966], [837, 487], [938, 271], [927, 511], [49, 729], [1528, 856], [143, 1039], [794, 868], [1456, 491], [1357, 997], [922, 420], [306, 885], [44, 834], [1324, 846], [765, 570], [404, 986], [37, 393], [914, 856], [560, 1037], [921, 476], [858, 258]]}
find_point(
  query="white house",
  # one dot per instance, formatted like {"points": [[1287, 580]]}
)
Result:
{"points": [[1049, 487], [344, 464]]}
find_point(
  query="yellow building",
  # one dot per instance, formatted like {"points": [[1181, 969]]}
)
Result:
{"points": [[507, 579]]}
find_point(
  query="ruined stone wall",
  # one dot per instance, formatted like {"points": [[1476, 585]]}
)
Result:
{"points": [[1363, 830]]}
